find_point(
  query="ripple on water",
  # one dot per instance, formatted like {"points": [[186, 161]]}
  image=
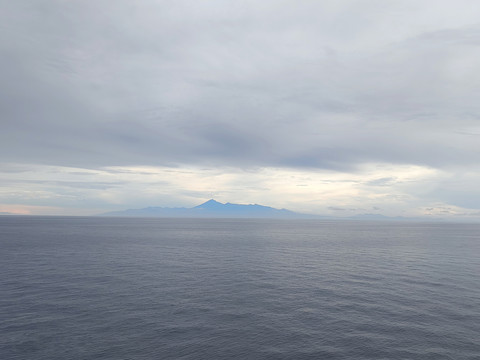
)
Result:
{"points": [[205, 289]]}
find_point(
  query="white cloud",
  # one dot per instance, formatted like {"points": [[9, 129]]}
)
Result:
{"points": [[392, 190]]}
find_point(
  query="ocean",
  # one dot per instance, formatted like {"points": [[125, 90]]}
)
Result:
{"points": [[132, 288]]}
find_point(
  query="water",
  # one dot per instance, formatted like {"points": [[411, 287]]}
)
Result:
{"points": [[110, 288]]}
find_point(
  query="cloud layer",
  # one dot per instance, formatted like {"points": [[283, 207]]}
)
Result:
{"points": [[292, 85]]}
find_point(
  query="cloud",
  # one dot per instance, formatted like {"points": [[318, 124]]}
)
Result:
{"points": [[386, 181], [252, 85], [296, 85], [322, 192]]}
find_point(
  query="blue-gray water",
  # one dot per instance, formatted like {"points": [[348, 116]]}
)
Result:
{"points": [[111, 288]]}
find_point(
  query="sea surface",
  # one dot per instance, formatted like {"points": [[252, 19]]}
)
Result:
{"points": [[130, 288]]}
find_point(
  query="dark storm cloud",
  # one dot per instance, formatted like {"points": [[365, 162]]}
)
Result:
{"points": [[296, 84]]}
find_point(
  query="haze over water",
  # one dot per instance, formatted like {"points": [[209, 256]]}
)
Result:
{"points": [[111, 288]]}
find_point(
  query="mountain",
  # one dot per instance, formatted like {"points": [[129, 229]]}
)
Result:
{"points": [[213, 209]]}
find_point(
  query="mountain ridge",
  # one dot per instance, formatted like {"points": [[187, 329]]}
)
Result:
{"points": [[212, 208]]}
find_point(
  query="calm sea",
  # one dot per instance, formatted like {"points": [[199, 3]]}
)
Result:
{"points": [[113, 288]]}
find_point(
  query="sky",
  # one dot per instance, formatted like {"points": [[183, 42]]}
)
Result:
{"points": [[334, 107]]}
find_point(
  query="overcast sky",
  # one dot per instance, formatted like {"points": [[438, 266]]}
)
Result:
{"points": [[327, 107]]}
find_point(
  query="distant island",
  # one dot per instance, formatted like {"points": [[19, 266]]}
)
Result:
{"points": [[214, 209]]}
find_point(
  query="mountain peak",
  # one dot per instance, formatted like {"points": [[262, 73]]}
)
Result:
{"points": [[210, 204], [212, 201]]}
